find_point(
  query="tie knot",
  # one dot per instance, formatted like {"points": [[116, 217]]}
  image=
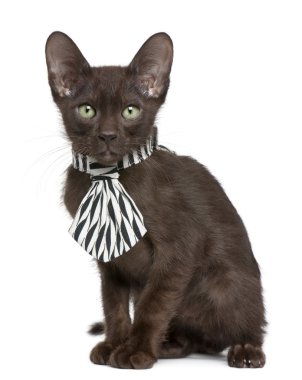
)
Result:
{"points": [[105, 176]]}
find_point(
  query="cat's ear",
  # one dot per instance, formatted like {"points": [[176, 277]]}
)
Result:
{"points": [[152, 65], [65, 63]]}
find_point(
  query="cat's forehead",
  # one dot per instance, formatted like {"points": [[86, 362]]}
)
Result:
{"points": [[108, 84], [111, 79], [110, 73]]}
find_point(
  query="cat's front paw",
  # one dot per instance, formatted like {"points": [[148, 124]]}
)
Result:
{"points": [[127, 356], [101, 352]]}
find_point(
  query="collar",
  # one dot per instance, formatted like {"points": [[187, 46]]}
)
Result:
{"points": [[91, 166]]}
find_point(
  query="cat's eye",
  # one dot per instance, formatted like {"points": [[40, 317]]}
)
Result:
{"points": [[86, 111], [131, 113]]}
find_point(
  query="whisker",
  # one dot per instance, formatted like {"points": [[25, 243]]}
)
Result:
{"points": [[60, 163], [48, 154]]}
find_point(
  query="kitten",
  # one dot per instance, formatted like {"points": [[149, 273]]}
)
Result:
{"points": [[193, 278]]}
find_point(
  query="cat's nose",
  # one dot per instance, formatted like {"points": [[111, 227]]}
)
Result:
{"points": [[107, 137]]}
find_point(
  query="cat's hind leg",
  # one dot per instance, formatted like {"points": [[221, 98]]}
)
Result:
{"points": [[175, 348], [182, 341], [246, 356]]}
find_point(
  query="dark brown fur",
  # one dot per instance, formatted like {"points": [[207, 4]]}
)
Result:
{"points": [[193, 278]]}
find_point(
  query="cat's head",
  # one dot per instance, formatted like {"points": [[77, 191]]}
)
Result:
{"points": [[108, 111]]}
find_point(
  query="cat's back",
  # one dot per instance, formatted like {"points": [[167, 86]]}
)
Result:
{"points": [[187, 182], [178, 193]]}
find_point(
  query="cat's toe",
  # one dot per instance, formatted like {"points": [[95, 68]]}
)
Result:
{"points": [[101, 352], [246, 356], [126, 356]]}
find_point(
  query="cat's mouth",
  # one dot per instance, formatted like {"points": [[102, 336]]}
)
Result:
{"points": [[107, 157]]}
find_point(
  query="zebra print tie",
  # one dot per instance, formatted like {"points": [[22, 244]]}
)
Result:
{"points": [[108, 223]]}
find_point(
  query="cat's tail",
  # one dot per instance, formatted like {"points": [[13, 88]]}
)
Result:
{"points": [[97, 328]]}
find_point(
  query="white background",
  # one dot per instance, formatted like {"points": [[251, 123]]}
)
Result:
{"points": [[234, 104]]}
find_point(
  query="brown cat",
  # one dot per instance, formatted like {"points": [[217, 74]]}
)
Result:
{"points": [[193, 278]]}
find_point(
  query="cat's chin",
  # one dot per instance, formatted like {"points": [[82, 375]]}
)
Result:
{"points": [[107, 158]]}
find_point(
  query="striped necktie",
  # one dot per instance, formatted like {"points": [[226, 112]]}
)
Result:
{"points": [[108, 223]]}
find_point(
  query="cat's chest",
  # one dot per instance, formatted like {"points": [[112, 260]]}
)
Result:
{"points": [[134, 265]]}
